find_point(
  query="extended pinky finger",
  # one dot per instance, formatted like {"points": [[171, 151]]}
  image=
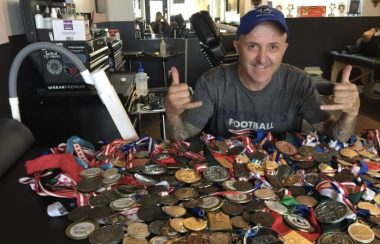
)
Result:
{"points": [[192, 105], [333, 107]]}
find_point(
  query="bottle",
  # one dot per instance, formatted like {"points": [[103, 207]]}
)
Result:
{"points": [[54, 13], [162, 47], [141, 80], [48, 24], [38, 18]]}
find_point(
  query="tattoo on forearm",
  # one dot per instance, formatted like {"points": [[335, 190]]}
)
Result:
{"points": [[340, 129], [343, 129], [181, 130]]}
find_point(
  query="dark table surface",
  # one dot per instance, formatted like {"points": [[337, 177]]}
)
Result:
{"points": [[24, 218]]}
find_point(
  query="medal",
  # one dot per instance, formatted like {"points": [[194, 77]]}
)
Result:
{"points": [[330, 212], [361, 233]]}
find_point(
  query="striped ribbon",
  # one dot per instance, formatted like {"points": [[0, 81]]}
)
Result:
{"points": [[62, 180], [338, 191]]}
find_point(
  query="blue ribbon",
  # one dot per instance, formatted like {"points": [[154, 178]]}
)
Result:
{"points": [[302, 210], [364, 167], [83, 143]]}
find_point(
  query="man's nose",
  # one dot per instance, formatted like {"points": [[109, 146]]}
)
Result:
{"points": [[261, 56]]}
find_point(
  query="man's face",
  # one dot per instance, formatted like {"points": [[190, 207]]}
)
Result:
{"points": [[260, 54]]}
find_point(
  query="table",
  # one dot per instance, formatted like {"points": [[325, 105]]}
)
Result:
{"points": [[23, 213], [164, 58], [130, 55], [136, 107]]}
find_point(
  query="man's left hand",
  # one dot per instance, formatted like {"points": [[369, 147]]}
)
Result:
{"points": [[345, 95]]}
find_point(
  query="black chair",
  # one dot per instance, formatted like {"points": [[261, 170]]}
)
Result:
{"points": [[217, 47]]}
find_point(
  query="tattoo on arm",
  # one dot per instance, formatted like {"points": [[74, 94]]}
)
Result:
{"points": [[181, 130], [340, 129]]}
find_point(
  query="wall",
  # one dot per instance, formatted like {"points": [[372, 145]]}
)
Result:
{"points": [[87, 6], [120, 10]]}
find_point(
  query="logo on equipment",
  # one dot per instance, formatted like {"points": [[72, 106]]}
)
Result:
{"points": [[54, 66]]}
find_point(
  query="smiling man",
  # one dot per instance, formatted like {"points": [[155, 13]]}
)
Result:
{"points": [[259, 92]]}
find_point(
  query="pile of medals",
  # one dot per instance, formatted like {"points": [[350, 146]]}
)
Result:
{"points": [[235, 190]]}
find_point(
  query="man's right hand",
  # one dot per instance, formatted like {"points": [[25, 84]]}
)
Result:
{"points": [[178, 98]]}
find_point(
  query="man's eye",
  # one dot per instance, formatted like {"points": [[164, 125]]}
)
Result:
{"points": [[252, 46], [274, 47]]}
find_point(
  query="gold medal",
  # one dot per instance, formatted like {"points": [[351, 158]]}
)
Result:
{"points": [[242, 159], [294, 237], [256, 168], [264, 194], [174, 211], [373, 209], [270, 165], [366, 154], [119, 163], [186, 193], [187, 175], [177, 224], [377, 198], [361, 233], [224, 162], [291, 180], [308, 201], [194, 224], [348, 153]]}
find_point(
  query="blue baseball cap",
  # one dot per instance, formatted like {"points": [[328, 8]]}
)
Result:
{"points": [[261, 14]]}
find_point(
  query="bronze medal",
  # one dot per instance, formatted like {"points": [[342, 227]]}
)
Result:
{"points": [[232, 209], [243, 186], [306, 150], [79, 213], [262, 218], [239, 222], [286, 148], [218, 221], [107, 234]]}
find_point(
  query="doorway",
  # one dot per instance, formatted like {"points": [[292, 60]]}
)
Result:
{"points": [[154, 6]]}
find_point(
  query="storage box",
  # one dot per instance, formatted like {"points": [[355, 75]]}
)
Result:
{"points": [[71, 30]]}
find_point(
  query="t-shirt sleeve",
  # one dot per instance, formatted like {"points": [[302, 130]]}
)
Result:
{"points": [[310, 104], [199, 117]]}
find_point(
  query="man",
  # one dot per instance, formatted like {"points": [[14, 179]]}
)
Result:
{"points": [[160, 25], [259, 92]]}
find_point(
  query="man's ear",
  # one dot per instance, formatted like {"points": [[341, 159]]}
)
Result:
{"points": [[236, 45]]}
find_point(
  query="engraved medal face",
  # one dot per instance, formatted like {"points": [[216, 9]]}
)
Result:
{"points": [[154, 169], [54, 66], [298, 223], [330, 212], [122, 204], [209, 203], [81, 230], [216, 174], [335, 237], [286, 148], [107, 234]]}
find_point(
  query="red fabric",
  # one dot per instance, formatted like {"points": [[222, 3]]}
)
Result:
{"points": [[372, 166], [64, 161], [283, 228]]}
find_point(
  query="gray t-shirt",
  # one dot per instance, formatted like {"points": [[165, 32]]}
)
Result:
{"points": [[279, 107]]}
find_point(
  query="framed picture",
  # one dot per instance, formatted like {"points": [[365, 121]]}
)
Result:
{"points": [[354, 7], [100, 6]]}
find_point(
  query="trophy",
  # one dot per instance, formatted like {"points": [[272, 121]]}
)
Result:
{"points": [[332, 7], [290, 8]]}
